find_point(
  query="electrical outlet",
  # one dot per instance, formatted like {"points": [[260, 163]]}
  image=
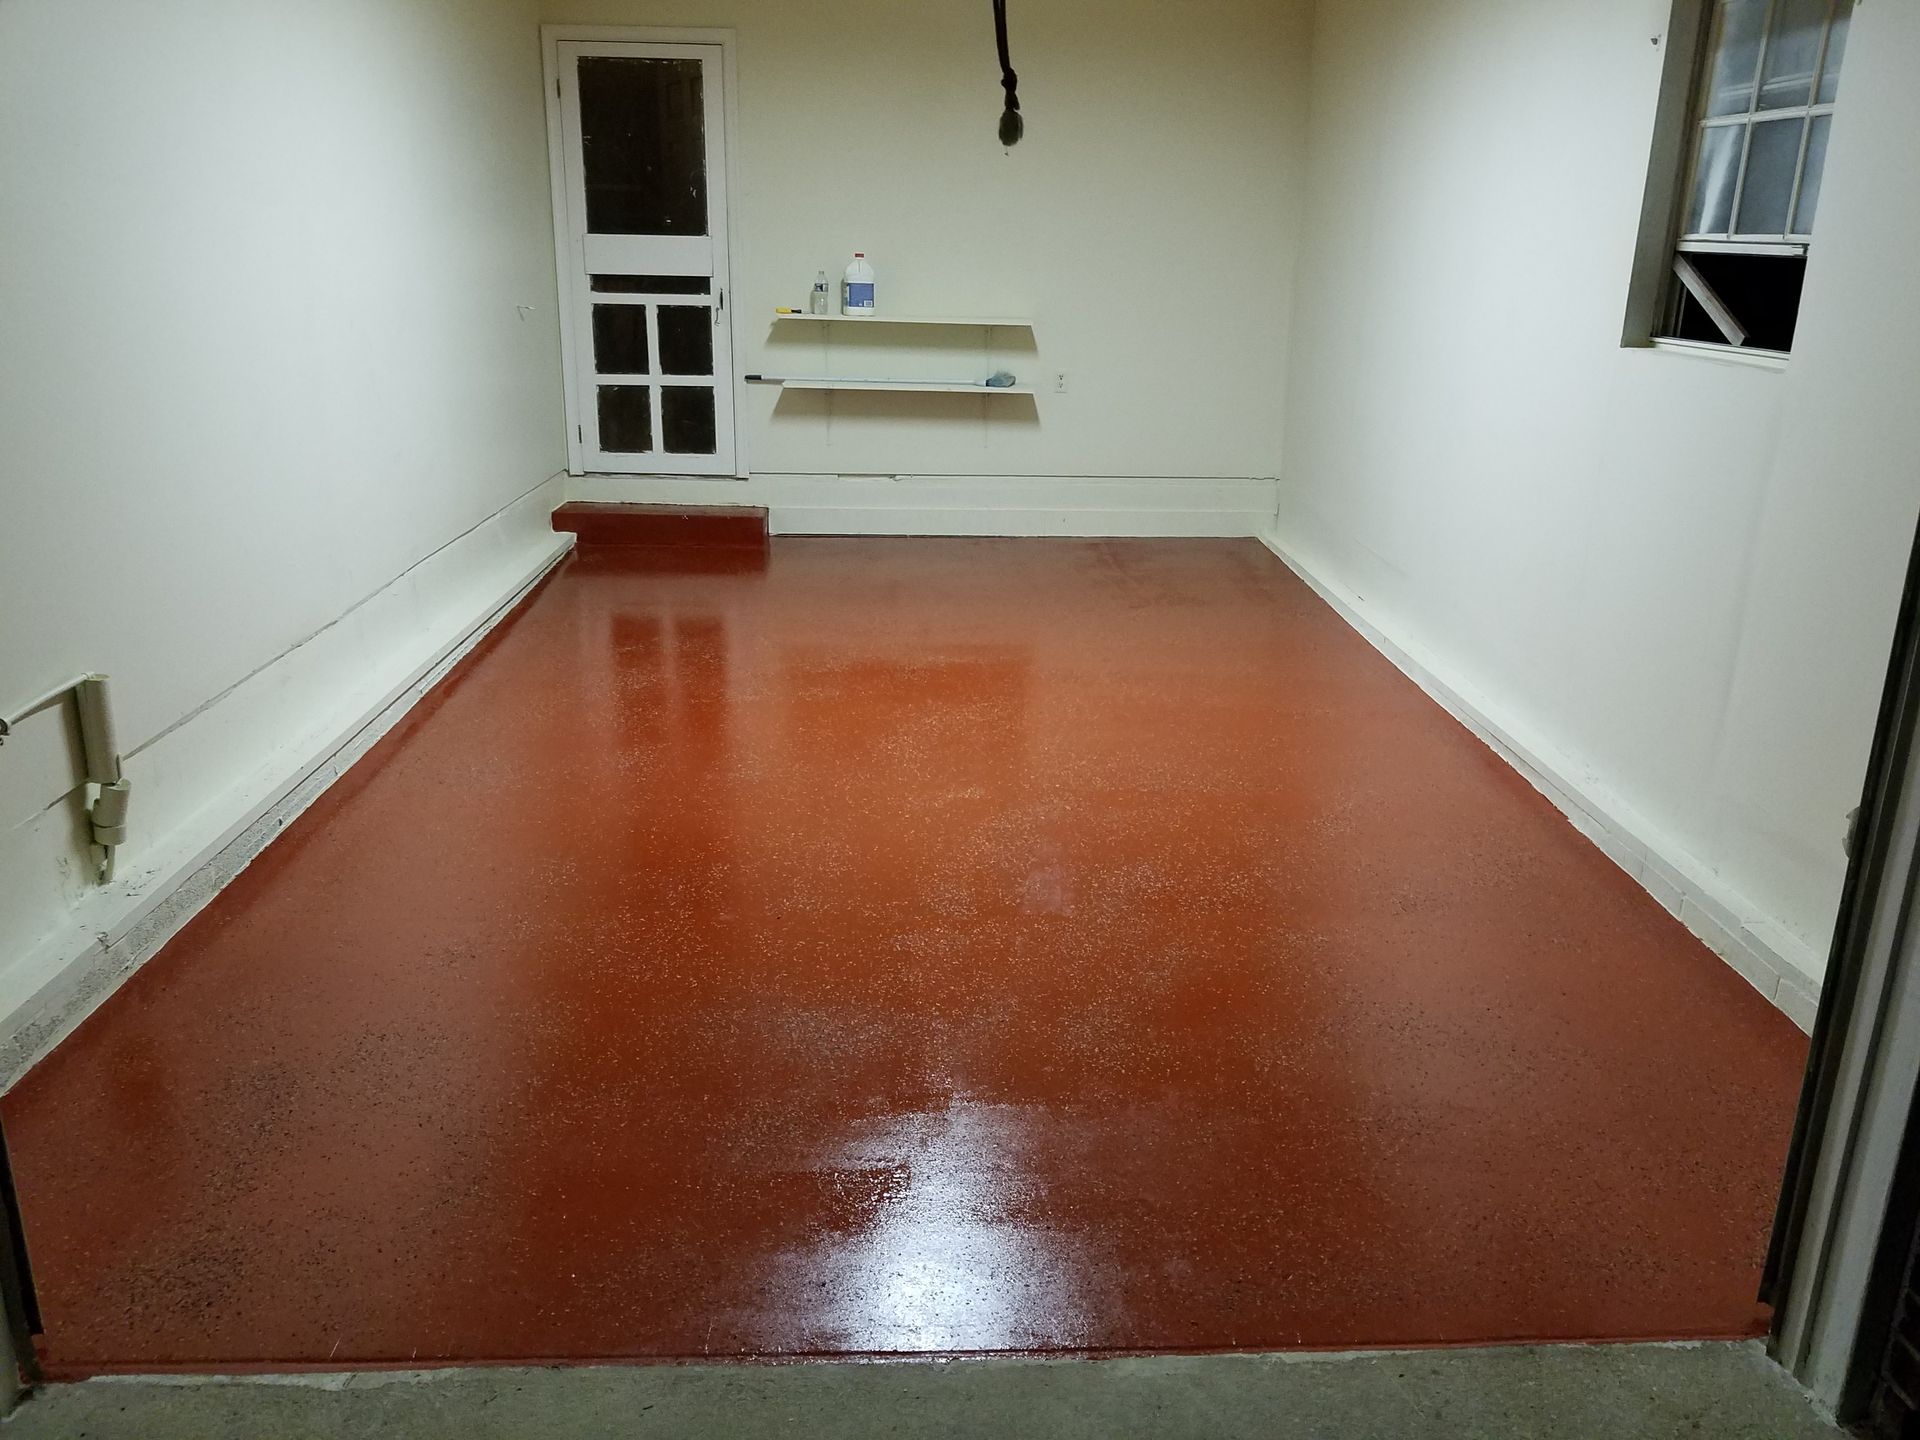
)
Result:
{"points": [[1059, 382]]}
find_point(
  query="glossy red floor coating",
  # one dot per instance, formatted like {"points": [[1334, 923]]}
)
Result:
{"points": [[911, 945]]}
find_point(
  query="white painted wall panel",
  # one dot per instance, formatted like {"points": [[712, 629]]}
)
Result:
{"points": [[1677, 575], [276, 324]]}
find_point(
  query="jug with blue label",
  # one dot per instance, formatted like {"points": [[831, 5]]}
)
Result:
{"points": [[856, 289]]}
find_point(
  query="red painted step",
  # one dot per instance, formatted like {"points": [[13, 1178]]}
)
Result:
{"points": [[724, 525]]}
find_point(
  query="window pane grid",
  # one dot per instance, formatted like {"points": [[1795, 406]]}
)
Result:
{"points": [[1761, 52], [653, 375], [1789, 112]]}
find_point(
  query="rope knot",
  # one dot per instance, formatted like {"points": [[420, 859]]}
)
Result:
{"points": [[1012, 127]]}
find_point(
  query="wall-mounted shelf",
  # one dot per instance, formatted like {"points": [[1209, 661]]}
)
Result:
{"points": [[984, 323], [930, 387], [978, 322]]}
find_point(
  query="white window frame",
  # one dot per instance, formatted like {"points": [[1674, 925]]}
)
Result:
{"points": [[551, 39], [1742, 242], [1680, 122]]}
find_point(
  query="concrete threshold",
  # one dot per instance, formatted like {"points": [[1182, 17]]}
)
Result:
{"points": [[1705, 1391]]}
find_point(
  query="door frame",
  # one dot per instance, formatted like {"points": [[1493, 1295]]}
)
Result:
{"points": [[551, 39], [1843, 1232]]}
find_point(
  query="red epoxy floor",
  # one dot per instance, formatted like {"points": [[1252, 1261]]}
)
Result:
{"points": [[915, 945]]}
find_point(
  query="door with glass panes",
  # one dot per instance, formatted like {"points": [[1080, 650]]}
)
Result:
{"points": [[644, 226]]}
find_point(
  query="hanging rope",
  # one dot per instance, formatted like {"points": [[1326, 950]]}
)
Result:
{"points": [[1012, 127]]}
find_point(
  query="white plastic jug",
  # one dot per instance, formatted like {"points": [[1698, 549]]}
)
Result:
{"points": [[856, 288]]}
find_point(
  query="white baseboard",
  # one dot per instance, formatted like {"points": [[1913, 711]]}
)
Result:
{"points": [[214, 791], [1759, 948], [965, 504]]}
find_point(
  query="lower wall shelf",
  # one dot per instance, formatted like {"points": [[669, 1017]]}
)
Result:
{"points": [[931, 387]]}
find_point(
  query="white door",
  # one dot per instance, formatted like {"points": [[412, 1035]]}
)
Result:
{"points": [[643, 191]]}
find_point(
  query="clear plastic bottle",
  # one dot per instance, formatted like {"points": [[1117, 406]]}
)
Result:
{"points": [[821, 301], [856, 288]]}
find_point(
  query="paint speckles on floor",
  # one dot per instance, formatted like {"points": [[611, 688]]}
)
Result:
{"points": [[909, 945]]}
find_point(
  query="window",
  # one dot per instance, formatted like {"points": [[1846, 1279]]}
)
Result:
{"points": [[1764, 75]]}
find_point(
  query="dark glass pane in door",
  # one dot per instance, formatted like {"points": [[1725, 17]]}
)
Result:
{"points": [[686, 415], [653, 284], [626, 419], [643, 145], [620, 339], [686, 340]]}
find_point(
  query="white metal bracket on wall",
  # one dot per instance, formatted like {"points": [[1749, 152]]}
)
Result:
{"points": [[101, 751]]}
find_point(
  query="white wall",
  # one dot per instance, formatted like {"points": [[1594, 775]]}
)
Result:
{"points": [[1146, 223], [260, 264], [1676, 576]]}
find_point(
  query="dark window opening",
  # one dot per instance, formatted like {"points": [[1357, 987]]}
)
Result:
{"points": [[653, 284], [1760, 293]]}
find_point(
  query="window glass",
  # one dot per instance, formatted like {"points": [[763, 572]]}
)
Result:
{"points": [[626, 419], [1810, 178], [1773, 158], [686, 340], [653, 284], [643, 144], [686, 415], [620, 339], [1793, 50], [1711, 212], [1738, 35], [1768, 64], [1836, 51]]}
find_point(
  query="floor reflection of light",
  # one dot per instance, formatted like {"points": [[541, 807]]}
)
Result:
{"points": [[947, 1258]]}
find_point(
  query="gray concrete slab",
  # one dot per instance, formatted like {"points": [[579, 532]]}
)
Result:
{"points": [[1635, 1392]]}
